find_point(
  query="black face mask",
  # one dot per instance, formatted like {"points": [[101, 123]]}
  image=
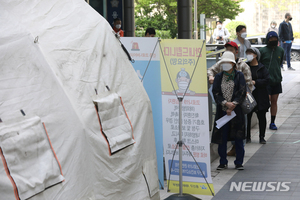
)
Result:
{"points": [[273, 43], [291, 19]]}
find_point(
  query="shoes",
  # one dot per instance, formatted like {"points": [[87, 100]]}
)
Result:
{"points": [[262, 141], [221, 167], [282, 69], [232, 151], [273, 126], [290, 68], [239, 167], [248, 140]]}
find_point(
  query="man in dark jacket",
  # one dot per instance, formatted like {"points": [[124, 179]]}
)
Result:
{"points": [[286, 38], [271, 58]]}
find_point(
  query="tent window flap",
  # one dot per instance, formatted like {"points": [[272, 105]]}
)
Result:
{"points": [[114, 122], [28, 156]]}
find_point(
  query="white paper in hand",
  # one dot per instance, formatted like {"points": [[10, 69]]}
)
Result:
{"points": [[223, 120]]}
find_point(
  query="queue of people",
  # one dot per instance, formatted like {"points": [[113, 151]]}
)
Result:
{"points": [[229, 78], [243, 66]]}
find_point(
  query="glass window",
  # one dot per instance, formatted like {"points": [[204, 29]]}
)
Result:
{"points": [[253, 41]]}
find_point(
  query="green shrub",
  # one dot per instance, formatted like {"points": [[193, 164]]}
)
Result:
{"points": [[159, 33]]}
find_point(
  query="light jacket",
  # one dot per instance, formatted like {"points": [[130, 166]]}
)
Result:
{"points": [[240, 66]]}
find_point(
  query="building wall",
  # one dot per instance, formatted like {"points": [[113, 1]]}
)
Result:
{"points": [[258, 16]]}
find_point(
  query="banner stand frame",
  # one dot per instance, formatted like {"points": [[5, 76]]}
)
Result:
{"points": [[180, 196]]}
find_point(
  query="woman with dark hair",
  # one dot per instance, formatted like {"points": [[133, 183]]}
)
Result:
{"points": [[229, 90], [260, 79]]}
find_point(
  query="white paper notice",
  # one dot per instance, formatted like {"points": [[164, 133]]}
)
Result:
{"points": [[223, 120]]}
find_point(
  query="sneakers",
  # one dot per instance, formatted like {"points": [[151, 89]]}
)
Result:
{"points": [[221, 167], [290, 68], [262, 141], [232, 151], [239, 167], [273, 126], [282, 69]]}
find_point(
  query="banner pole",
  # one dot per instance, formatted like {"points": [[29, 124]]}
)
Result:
{"points": [[180, 145]]}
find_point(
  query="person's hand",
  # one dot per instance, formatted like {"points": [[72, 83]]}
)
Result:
{"points": [[284, 42], [211, 79], [230, 105], [253, 82], [218, 38], [228, 111]]}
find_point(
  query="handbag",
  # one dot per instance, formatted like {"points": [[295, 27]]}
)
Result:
{"points": [[249, 102]]}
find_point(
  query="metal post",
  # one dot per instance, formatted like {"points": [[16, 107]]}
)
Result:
{"points": [[184, 19], [180, 145], [195, 20], [129, 26], [202, 27]]}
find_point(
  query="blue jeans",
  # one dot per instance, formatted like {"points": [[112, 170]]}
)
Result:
{"points": [[287, 52], [222, 148]]}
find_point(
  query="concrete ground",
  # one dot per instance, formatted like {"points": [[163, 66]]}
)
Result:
{"points": [[278, 161]]}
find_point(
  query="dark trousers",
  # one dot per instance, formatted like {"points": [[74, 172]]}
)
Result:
{"points": [[287, 52], [222, 148], [262, 123]]}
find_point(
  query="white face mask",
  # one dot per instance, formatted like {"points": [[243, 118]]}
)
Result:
{"points": [[273, 26], [249, 57], [118, 26], [182, 85], [219, 26], [226, 66], [244, 35]]}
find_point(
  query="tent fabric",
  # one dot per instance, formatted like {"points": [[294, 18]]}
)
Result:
{"points": [[114, 122], [29, 159], [54, 54]]}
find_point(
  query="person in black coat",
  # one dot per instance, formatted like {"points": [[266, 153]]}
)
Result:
{"points": [[229, 90], [260, 78]]}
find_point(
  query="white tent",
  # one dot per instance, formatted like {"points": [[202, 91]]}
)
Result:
{"points": [[53, 55]]}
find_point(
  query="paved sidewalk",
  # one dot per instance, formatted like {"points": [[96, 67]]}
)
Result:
{"points": [[277, 161]]}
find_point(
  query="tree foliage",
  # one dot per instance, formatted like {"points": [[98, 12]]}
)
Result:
{"points": [[162, 14], [221, 9], [158, 14]]}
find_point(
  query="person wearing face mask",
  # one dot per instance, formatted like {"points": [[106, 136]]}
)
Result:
{"points": [[183, 79], [229, 90], [242, 41], [260, 79], [117, 27], [286, 38], [273, 27], [240, 66], [221, 34], [272, 58]]}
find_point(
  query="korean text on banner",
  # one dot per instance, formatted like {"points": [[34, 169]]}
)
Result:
{"points": [[181, 57]]}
